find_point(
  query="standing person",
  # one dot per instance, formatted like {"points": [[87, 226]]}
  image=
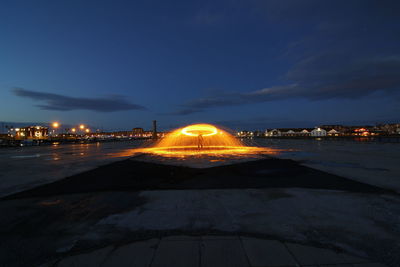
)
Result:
{"points": [[200, 141]]}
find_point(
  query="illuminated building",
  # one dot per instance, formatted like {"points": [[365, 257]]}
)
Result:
{"points": [[137, 132], [304, 132], [333, 132], [245, 134], [32, 132], [318, 132], [274, 132]]}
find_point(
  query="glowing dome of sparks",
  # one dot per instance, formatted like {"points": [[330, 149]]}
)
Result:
{"points": [[200, 139], [199, 129]]}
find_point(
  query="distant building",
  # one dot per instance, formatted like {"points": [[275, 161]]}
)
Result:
{"points": [[318, 132], [31, 132], [390, 128], [275, 132], [258, 133], [137, 132], [288, 133], [361, 131], [304, 132], [245, 134], [336, 127], [333, 132]]}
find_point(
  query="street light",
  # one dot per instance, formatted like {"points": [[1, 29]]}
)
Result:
{"points": [[73, 130], [82, 126], [55, 125], [87, 130]]}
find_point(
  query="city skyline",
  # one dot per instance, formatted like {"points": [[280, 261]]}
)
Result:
{"points": [[243, 65]]}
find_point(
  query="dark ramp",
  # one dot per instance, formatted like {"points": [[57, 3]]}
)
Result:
{"points": [[132, 175]]}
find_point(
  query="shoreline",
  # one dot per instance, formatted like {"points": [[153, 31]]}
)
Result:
{"points": [[10, 143]]}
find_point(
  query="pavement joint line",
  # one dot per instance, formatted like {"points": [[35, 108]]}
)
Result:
{"points": [[200, 241], [200, 248], [155, 251], [244, 250], [108, 254], [291, 253]]}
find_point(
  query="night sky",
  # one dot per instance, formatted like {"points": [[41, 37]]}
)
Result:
{"points": [[240, 64]]}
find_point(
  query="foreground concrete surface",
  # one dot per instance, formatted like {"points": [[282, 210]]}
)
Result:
{"points": [[39, 230], [222, 216], [209, 251], [367, 161], [46, 164]]}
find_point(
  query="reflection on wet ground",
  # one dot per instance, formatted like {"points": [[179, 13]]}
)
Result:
{"points": [[374, 163], [200, 158], [26, 167]]}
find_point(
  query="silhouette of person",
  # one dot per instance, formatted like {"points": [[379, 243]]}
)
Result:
{"points": [[200, 141]]}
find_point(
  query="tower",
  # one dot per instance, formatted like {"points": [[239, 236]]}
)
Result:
{"points": [[154, 129]]}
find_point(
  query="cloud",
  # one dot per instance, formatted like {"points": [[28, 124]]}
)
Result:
{"points": [[342, 50], [262, 123], [184, 111], [66, 103], [318, 77]]}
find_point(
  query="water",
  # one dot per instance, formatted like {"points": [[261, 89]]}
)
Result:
{"points": [[377, 163]]}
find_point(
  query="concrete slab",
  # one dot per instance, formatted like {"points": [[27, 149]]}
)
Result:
{"points": [[177, 254], [306, 255], [227, 253], [336, 265], [138, 254], [267, 253], [210, 251], [182, 238], [91, 259], [256, 211], [49, 264], [220, 237], [369, 264]]}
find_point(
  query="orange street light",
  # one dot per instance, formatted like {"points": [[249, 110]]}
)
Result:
{"points": [[73, 130], [82, 126], [55, 124], [87, 130]]}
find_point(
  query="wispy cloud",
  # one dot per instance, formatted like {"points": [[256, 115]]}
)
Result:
{"points": [[66, 103], [318, 77], [260, 123], [184, 111], [344, 54]]}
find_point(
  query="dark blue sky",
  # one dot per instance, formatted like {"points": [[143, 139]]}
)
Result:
{"points": [[242, 64]]}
